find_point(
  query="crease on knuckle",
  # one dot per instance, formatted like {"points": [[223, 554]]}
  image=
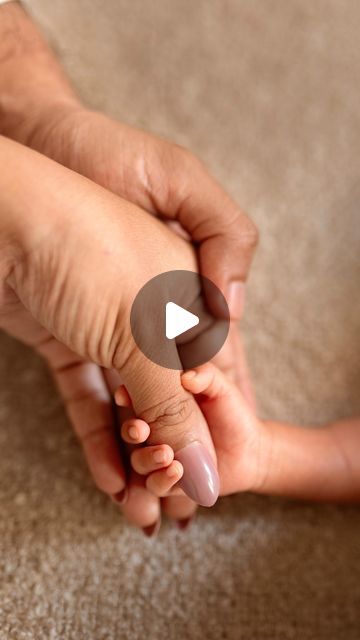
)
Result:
{"points": [[241, 227], [170, 412], [250, 234]]}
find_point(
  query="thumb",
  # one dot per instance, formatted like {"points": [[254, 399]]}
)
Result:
{"points": [[175, 419]]}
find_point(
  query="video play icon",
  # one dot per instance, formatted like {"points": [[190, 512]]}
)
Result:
{"points": [[179, 319]]}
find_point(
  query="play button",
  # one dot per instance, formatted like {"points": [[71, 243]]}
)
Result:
{"points": [[179, 319]]}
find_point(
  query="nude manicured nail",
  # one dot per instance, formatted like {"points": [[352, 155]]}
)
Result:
{"points": [[200, 480], [236, 299], [153, 529]]}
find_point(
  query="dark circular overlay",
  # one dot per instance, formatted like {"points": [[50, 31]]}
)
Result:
{"points": [[194, 294]]}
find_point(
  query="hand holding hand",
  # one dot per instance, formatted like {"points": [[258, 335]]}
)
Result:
{"points": [[253, 455], [75, 245]]}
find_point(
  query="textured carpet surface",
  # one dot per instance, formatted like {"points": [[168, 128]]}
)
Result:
{"points": [[268, 93]]}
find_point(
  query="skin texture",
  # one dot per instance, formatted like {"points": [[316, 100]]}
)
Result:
{"points": [[39, 108], [320, 463]]}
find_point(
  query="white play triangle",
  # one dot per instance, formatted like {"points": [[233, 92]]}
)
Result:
{"points": [[178, 320]]}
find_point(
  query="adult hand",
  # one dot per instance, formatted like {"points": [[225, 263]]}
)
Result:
{"points": [[41, 111], [75, 245], [39, 108]]}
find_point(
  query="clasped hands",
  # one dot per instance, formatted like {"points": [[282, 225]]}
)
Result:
{"points": [[76, 255], [90, 210]]}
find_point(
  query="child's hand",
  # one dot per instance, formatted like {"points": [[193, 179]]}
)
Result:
{"points": [[239, 437], [157, 462], [321, 463]]}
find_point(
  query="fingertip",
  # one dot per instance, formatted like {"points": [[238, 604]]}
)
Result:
{"points": [[163, 454], [135, 431], [194, 380], [189, 375], [188, 378], [175, 471], [145, 460], [161, 482], [121, 397]]}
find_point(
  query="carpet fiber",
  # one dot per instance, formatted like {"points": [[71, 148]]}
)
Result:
{"points": [[268, 94]]}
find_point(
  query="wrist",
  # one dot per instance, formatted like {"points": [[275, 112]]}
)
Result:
{"points": [[32, 83]]}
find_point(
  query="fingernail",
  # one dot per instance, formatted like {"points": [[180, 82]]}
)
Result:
{"points": [[153, 529], [133, 433], [183, 523], [236, 299], [200, 480], [121, 496], [159, 456]]}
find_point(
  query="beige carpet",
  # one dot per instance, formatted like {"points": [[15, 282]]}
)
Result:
{"points": [[268, 93]]}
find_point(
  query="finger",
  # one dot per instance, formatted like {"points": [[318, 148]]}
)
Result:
{"points": [[174, 419], [226, 359], [89, 406], [142, 508], [179, 508], [121, 397], [161, 482], [135, 431], [227, 238], [242, 371], [87, 400], [149, 459], [207, 380]]}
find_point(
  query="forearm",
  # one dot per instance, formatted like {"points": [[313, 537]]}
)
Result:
{"points": [[313, 463], [32, 81]]}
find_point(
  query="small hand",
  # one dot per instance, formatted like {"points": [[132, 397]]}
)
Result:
{"points": [[241, 440], [266, 457]]}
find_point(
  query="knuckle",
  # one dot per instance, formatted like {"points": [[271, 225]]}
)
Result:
{"points": [[187, 158], [170, 412], [249, 233]]}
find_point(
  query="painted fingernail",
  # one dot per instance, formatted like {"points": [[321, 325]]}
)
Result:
{"points": [[200, 480], [236, 299], [183, 523], [153, 529], [121, 496]]}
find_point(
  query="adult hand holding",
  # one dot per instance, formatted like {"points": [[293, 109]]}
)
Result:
{"points": [[40, 110], [68, 249]]}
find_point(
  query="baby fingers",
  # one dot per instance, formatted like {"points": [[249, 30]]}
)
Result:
{"points": [[135, 431], [161, 482], [149, 459], [207, 380]]}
